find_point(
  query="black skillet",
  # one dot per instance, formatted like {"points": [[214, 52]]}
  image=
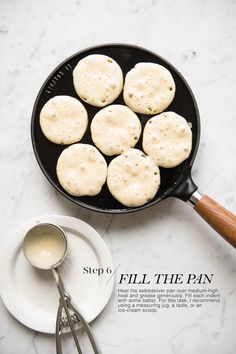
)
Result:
{"points": [[175, 182]]}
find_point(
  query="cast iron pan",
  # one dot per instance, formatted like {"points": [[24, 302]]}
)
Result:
{"points": [[175, 182]]}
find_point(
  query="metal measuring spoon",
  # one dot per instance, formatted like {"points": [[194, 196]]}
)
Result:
{"points": [[45, 247]]}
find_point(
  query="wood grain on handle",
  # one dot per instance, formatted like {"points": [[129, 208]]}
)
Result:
{"points": [[221, 219]]}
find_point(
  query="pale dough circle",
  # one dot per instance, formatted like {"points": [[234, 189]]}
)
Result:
{"points": [[133, 178], [149, 88], [63, 120], [167, 139], [81, 170], [115, 129], [98, 80]]}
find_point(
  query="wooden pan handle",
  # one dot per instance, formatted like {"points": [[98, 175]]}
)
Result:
{"points": [[221, 219]]}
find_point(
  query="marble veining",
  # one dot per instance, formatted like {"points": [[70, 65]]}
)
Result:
{"points": [[198, 37]]}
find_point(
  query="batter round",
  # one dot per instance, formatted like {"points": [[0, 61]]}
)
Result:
{"points": [[98, 80], [133, 178], [115, 129], [149, 88], [81, 170], [63, 120], [167, 139]]}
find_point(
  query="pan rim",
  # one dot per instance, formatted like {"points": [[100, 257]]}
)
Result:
{"points": [[124, 210]]}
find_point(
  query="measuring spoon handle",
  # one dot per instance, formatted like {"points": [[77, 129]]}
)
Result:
{"points": [[63, 300]]}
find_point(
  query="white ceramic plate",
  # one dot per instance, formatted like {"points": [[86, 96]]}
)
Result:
{"points": [[31, 295]]}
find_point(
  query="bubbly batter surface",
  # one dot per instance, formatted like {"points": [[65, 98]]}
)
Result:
{"points": [[167, 139], [98, 80], [133, 178], [115, 129], [63, 120], [81, 170], [149, 88]]}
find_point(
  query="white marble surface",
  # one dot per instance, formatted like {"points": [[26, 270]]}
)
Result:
{"points": [[198, 37]]}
